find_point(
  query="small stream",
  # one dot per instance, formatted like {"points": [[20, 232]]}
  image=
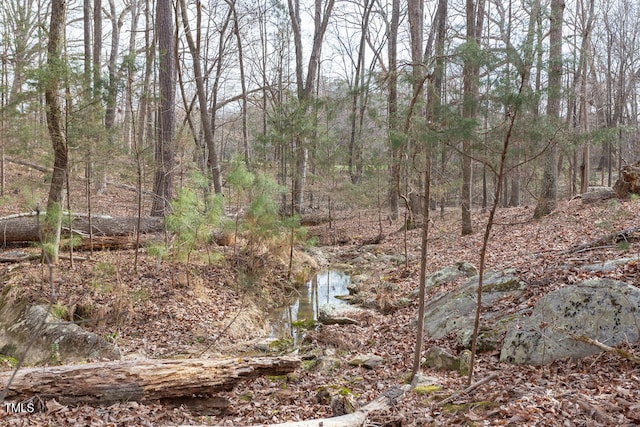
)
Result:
{"points": [[323, 288]]}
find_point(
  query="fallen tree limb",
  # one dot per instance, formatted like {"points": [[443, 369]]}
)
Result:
{"points": [[28, 164], [355, 419], [469, 389], [140, 380], [613, 350], [612, 238]]}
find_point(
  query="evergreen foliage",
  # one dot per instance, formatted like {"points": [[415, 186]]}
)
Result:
{"points": [[192, 221]]}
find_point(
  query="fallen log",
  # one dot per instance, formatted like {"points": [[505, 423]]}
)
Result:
{"points": [[610, 239], [26, 227], [613, 350], [140, 380]]}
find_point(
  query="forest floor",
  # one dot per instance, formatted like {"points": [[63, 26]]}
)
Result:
{"points": [[158, 310]]}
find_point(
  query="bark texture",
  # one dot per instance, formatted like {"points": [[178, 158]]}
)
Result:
{"points": [[549, 186], [141, 380], [57, 133], [165, 146], [26, 228], [629, 181]]}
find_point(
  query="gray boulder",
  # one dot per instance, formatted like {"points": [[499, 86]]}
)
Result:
{"points": [[454, 311], [439, 358], [48, 339], [448, 274], [339, 314], [604, 310], [609, 265], [369, 361]]}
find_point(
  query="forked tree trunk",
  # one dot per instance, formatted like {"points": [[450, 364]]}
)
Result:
{"points": [[201, 92]]}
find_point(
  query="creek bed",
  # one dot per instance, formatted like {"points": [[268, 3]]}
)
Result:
{"points": [[325, 287]]}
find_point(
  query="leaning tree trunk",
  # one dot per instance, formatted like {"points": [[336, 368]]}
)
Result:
{"points": [[55, 202]]}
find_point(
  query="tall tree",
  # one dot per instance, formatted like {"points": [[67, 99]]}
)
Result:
{"points": [[130, 69], [144, 110], [357, 98], [201, 93], [21, 24], [165, 145], [471, 78], [55, 122], [243, 81], [549, 186], [305, 85], [392, 106], [580, 77], [416, 18]]}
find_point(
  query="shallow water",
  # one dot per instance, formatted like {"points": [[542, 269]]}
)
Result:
{"points": [[322, 289]]}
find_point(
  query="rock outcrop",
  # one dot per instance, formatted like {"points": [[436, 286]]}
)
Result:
{"points": [[604, 310], [454, 311], [49, 339]]}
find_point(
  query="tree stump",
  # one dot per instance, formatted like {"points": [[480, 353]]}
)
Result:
{"points": [[629, 181]]}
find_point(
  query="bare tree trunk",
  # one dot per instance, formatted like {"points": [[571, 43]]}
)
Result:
{"points": [[165, 145], [97, 93], [145, 96], [392, 105], [97, 46], [243, 81], [207, 129], [111, 94], [487, 234], [549, 186], [86, 26], [305, 86], [475, 18], [212, 152], [55, 120], [129, 128], [416, 13], [355, 151]]}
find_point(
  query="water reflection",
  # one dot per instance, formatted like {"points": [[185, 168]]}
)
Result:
{"points": [[322, 289]]}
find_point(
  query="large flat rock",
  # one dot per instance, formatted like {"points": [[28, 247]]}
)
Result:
{"points": [[605, 310]]}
